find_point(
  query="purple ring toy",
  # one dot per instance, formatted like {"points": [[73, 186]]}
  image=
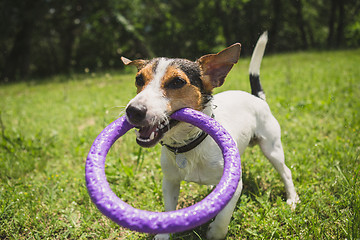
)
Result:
{"points": [[162, 222]]}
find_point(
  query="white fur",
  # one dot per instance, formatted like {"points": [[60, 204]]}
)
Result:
{"points": [[160, 71], [246, 117], [152, 96], [205, 163], [258, 54]]}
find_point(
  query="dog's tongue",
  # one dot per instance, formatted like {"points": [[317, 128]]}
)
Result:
{"points": [[149, 136], [146, 132]]}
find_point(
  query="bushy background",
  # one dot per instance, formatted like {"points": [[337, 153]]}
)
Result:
{"points": [[44, 37]]}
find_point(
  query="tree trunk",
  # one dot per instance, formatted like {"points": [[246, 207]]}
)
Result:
{"points": [[277, 11], [331, 26], [17, 62], [341, 23], [300, 22], [68, 39], [223, 16]]}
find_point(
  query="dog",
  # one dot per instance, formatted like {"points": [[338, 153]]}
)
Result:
{"points": [[166, 85]]}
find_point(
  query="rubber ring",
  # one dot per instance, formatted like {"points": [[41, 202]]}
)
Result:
{"points": [[162, 222]]}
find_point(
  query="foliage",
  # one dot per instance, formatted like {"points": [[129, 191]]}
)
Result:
{"points": [[47, 127], [41, 37]]}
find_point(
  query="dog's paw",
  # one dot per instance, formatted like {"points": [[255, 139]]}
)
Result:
{"points": [[216, 232], [162, 237], [293, 201]]}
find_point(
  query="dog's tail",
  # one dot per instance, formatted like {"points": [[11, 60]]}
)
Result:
{"points": [[254, 69]]}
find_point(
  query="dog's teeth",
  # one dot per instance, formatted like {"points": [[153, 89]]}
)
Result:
{"points": [[161, 126], [152, 136]]}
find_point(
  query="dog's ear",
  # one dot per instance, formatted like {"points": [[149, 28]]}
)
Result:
{"points": [[215, 67], [137, 63]]}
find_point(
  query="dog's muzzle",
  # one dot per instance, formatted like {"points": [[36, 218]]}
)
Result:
{"points": [[147, 135]]}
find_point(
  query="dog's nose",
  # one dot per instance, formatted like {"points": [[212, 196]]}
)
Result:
{"points": [[136, 114]]}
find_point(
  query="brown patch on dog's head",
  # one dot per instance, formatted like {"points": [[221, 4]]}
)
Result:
{"points": [[144, 77], [180, 91]]}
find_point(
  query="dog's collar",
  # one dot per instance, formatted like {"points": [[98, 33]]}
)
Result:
{"points": [[193, 144], [190, 146]]}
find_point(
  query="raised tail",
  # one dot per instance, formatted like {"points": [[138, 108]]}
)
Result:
{"points": [[254, 69]]}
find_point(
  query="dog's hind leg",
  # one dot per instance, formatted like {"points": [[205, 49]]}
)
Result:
{"points": [[219, 227], [270, 144]]}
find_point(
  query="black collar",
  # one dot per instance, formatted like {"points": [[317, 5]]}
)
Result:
{"points": [[190, 146]]}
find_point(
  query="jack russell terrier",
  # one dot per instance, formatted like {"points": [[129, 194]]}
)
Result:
{"points": [[166, 85]]}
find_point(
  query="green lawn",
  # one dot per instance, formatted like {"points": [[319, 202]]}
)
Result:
{"points": [[47, 127]]}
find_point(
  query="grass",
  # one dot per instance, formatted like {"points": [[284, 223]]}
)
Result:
{"points": [[47, 127]]}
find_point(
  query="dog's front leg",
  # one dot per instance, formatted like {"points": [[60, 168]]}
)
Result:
{"points": [[171, 191], [170, 188], [219, 227]]}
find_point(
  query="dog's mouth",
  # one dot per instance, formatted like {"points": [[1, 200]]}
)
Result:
{"points": [[149, 136]]}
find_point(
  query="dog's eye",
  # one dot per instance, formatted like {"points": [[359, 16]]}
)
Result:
{"points": [[139, 80], [176, 83]]}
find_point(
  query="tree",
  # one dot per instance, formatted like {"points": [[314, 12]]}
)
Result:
{"points": [[27, 14], [44, 37]]}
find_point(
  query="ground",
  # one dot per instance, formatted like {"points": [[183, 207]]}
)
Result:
{"points": [[48, 125]]}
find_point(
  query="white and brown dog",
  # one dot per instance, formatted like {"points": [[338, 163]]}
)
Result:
{"points": [[165, 85]]}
